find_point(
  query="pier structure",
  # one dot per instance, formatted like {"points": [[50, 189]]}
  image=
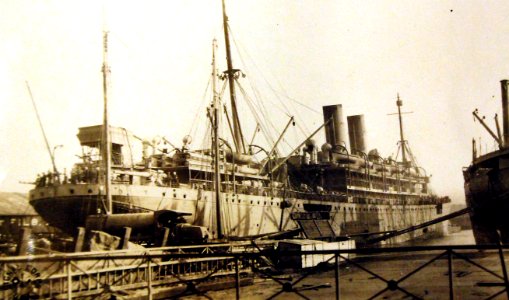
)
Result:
{"points": [[226, 271]]}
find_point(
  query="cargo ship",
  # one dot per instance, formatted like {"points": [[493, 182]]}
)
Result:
{"points": [[329, 191], [487, 182]]}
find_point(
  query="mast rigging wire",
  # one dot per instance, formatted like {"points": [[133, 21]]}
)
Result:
{"points": [[305, 131], [283, 92], [198, 114]]}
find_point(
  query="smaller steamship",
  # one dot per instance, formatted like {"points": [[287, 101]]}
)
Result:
{"points": [[487, 182]]}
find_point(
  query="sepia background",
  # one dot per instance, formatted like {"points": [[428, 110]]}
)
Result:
{"points": [[444, 58]]}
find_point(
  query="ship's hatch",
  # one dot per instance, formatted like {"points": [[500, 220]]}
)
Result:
{"points": [[315, 225]]}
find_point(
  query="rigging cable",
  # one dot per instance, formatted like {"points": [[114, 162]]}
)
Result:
{"points": [[194, 127], [276, 93], [305, 131], [263, 127]]}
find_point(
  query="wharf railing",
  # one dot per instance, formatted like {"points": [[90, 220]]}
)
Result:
{"points": [[120, 273], [170, 273]]}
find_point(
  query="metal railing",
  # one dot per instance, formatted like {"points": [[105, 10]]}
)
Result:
{"points": [[171, 272]]}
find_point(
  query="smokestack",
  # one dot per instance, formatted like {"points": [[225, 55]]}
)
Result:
{"points": [[357, 133], [335, 130], [505, 112]]}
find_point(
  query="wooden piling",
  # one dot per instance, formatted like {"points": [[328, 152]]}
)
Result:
{"points": [[80, 239], [126, 238], [24, 238]]}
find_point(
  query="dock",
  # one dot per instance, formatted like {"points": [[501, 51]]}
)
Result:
{"points": [[245, 272], [438, 272]]}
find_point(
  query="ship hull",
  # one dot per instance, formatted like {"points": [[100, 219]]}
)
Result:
{"points": [[67, 206], [487, 194]]}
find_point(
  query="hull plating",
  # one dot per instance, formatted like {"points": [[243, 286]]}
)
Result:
{"points": [[487, 193], [67, 206]]}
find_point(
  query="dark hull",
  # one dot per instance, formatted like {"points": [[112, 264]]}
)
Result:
{"points": [[487, 194], [68, 213]]}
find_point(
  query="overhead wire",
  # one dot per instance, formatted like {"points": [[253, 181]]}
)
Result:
{"points": [[194, 127], [284, 93], [300, 126], [259, 105]]}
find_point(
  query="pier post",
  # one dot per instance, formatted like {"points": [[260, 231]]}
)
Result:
{"points": [[80, 238], [502, 263], [149, 279], [237, 278], [2, 280], [336, 274], [126, 238], [23, 241], [449, 265], [69, 280], [166, 233]]}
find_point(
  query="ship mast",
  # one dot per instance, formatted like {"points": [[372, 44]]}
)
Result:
{"points": [[399, 103], [215, 141], [232, 74], [106, 140]]}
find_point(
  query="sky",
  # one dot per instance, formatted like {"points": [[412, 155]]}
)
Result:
{"points": [[444, 58]]}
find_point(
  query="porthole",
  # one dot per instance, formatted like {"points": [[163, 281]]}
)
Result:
{"points": [[164, 194], [71, 191], [185, 196], [89, 191], [174, 195]]}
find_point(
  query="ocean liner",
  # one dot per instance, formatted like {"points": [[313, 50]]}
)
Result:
{"points": [[487, 182], [226, 190]]}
